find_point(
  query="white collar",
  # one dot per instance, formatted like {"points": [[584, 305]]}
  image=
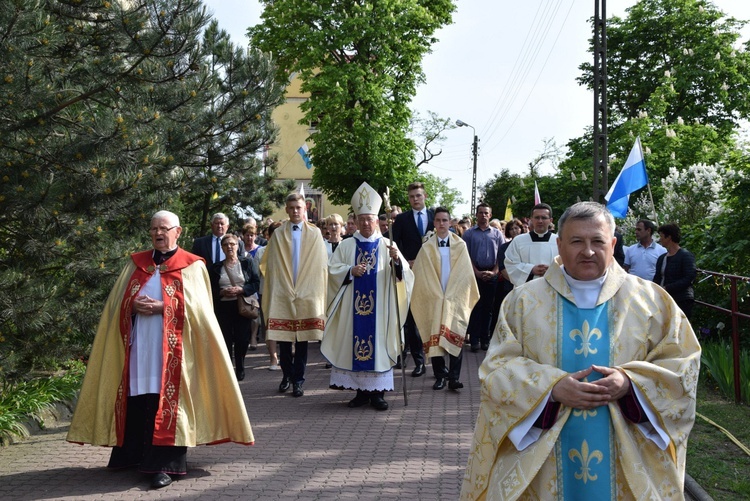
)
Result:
{"points": [[372, 238], [585, 292]]}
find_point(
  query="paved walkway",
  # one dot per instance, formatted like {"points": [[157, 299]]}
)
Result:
{"points": [[308, 448]]}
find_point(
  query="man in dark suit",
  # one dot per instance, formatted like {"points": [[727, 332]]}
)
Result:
{"points": [[408, 229], [209, 247]]}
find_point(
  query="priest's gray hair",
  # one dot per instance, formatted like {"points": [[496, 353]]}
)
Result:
{"points": [[585, 211], [173, 219]]}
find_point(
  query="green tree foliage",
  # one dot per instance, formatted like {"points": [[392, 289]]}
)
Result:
{"points": [[360, 60], [693, 41], [108, 112], [438, 192], [678, 78]]}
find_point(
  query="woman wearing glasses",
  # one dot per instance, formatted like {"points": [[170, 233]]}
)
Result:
{"points": [[230, 279]]}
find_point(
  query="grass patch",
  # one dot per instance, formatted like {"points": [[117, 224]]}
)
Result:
{"points": [[27, 399], [717, 464]]}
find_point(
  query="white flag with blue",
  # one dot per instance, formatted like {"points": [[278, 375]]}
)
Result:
{"points": [[304, 153], [632, 177]]}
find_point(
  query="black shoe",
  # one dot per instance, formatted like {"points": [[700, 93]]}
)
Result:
{"points": [[284, 385], [399, 363], [419, 371], [160, 480], [298, 391], [240, 374], [378, 402], [474, 348], [485, 346], [439, 384], [362, 398], [455, 384]]}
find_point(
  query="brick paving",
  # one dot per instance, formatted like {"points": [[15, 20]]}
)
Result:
{"points": [[308, 448]]}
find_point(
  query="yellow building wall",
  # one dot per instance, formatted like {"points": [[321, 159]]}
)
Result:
{"points": [[291, 136]]}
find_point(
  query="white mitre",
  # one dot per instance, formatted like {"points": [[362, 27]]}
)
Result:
{"points": [[366, 200]]}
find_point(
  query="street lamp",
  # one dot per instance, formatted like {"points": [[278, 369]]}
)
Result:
{"points": [[461, 123]]}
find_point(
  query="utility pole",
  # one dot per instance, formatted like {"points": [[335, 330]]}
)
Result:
{"points": [[475, 152], [601, 154]]}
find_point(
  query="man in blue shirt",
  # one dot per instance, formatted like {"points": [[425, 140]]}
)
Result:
{"points": [[640, 259], [483, 241]]}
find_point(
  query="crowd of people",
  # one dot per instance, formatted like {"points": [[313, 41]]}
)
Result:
{"points": [[562, 321]]}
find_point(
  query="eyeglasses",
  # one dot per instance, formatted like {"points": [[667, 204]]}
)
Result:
{"points": [[161, 229]]}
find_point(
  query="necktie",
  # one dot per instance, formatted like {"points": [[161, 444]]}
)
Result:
{"points": [[420, 225], [295, 253], [443, 243], [217, 254]]}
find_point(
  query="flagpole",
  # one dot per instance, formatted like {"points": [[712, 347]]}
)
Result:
{"points": [[387, 204], [653, 207]]}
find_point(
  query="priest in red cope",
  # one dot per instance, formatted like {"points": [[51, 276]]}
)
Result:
{"points": [[159, 379]]}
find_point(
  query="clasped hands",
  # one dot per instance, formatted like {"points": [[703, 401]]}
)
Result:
{"points": [[486, 275], [232, 291], [572, 392], [145, 305]]}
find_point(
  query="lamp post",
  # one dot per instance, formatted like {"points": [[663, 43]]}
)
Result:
{"points": [[460, 123]]}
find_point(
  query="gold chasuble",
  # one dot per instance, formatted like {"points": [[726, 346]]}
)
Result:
{"points": [[200, 401], [295, 311], [645, 334], [442, 317]]}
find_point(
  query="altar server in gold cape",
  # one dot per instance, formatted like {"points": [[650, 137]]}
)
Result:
{"points": [[588, 388], [445, 292], [363, 338], [294, 300], [159, 378]]}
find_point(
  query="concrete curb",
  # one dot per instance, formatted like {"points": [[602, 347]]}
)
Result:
{"points": [[48, 419]]}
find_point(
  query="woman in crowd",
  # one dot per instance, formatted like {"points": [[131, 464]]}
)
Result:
{"points": [[231, 279], [675, 270], [249, 237], [271, 345], [513, 228], [335, 223]]}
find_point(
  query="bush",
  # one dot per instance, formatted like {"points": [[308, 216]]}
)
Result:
{"points": [[718, 361], [24, 400]]}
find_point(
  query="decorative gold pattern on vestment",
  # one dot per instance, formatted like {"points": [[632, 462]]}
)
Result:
{"points": [[369, 259], [364, 198], [363, 350], [304, 324], [584, 413], [364, 305], [587, 336], [585, 459]]}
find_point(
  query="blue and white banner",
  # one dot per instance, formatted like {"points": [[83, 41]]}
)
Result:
{"points": [[632, 177], [304, 153]]}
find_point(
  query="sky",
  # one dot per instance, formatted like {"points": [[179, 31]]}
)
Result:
{"points": [[508, 69]]}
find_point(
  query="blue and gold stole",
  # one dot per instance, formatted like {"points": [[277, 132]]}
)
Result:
{"points": [[585, 465], [365, 294]]}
